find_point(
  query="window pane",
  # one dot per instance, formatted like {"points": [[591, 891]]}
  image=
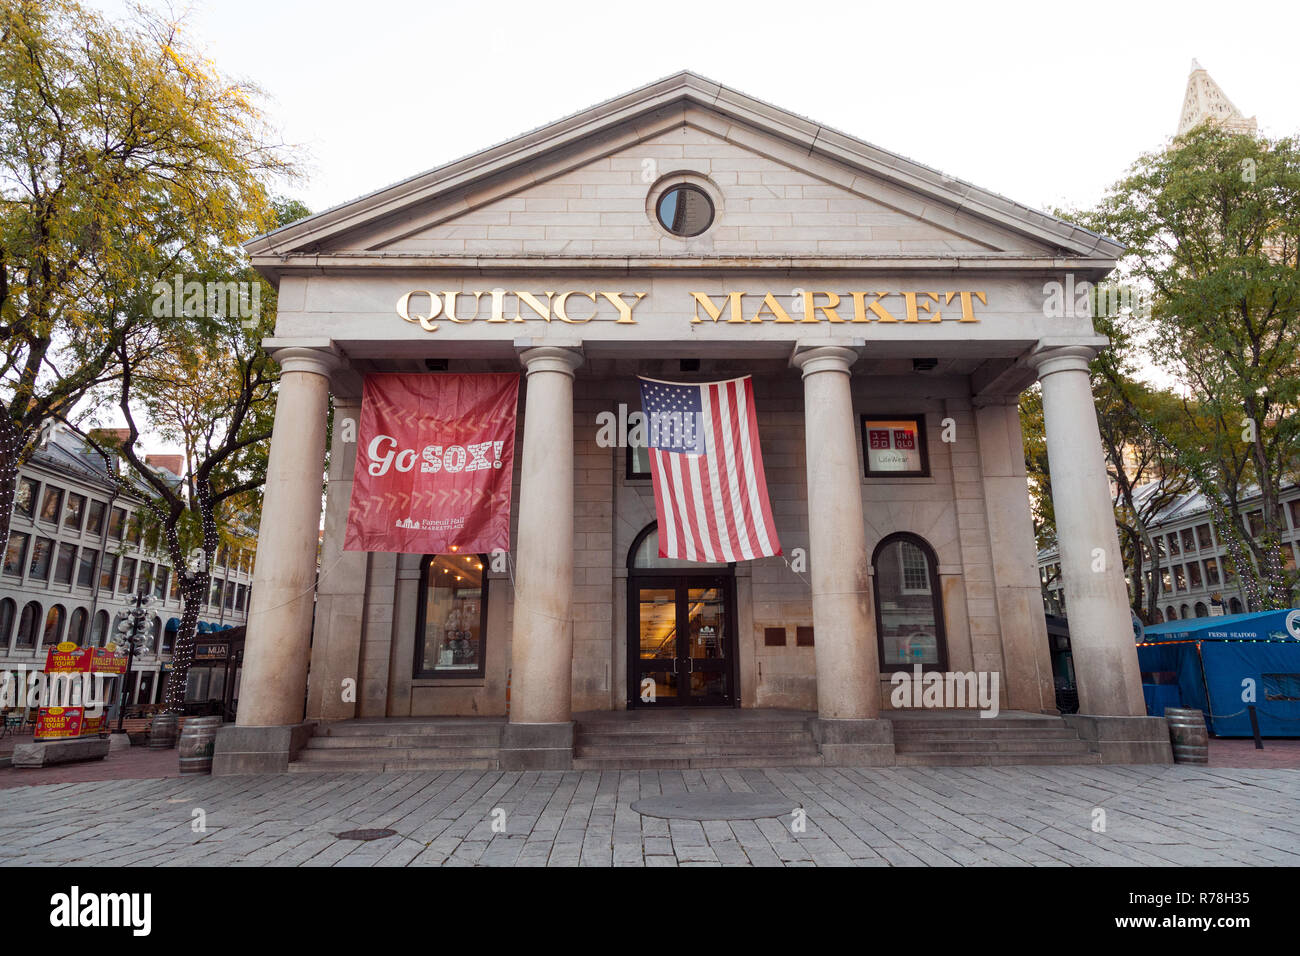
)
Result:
{"points": [[16, 553], [25, 498], [95, 521], [86, 568], [160, 583], [127, 574], [50, 504], [116, 522], [647, 556], [453, 641], [1203, 536], [76, 508], [40, 566], [64, 563], [1189, 540], [108, 572], [890, 445], [908, 630]]}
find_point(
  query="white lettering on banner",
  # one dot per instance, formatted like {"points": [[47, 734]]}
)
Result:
{"points": [[452, 459]]}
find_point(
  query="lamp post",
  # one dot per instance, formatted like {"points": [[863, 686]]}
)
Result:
{"points": [[131, 629]]}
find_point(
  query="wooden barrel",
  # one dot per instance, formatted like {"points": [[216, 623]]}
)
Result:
{"points": [[197, 742], [1187, 732], [162, 732]]}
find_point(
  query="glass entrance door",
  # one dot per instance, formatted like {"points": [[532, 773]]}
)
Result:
{"points": [[684, 641]]}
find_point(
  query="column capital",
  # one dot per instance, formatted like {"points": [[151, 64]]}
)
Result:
{"points": [[548, 358], [318, 361], [824, 358], [1046, 360]]}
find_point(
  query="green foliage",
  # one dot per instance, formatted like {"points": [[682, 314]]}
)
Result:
{"points": [[1212, 227]]}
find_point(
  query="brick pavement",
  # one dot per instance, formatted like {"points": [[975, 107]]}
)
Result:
{"points": [[1154, 815]]}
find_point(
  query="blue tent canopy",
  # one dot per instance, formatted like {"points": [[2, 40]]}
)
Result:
{"points": [[1258, 626], [1209, 662]]}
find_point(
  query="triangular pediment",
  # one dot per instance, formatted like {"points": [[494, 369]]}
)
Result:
{"points": [[584, 187]]}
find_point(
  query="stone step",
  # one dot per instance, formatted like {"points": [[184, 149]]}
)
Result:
{"points": [[422, 741], [670, 762], [711, 728], [808, 747], [408, 729], [672, 738], [991, 746], [984, 733], [344, 754], [382, 763], [987, 759], [959, 723]]}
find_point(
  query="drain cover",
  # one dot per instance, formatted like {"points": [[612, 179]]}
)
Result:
{"points": [[715, 806], [365, 834]]}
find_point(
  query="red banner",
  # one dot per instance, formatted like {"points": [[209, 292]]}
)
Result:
{"points": [[435, 458]]}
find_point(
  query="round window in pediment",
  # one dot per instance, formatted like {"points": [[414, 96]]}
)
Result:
{"points": [[685, 210]]}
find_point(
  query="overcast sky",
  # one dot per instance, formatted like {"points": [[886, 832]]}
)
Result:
{"points": [[1045, 103]]}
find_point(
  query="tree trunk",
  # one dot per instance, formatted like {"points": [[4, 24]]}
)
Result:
{"points": [[194, 588]]}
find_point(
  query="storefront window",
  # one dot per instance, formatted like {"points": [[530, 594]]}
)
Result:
{"points": [[453, 616], [909, 614], [895, 447]]}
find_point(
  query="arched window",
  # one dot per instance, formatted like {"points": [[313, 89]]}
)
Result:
{"points": [[909, 608], [77, 625], [8, 611], [1184, 611], [644, 554], [99, 629], [1234, 606], [53, 626], [1170, 613], [1201, 610], [451, 635], [28, 624]]}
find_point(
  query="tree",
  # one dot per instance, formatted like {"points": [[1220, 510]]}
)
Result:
{"points": [[206, 385], [1212, 226], [121, 153]]}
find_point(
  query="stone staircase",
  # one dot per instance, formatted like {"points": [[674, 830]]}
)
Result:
{"points": [[394, 744], [964, 739], [690, 739], [693, 739]]}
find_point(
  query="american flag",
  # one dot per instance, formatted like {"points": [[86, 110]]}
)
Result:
{"points": [[707, 467]]}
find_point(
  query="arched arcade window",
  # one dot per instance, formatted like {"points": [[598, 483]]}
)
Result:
{"points": [[909, 606], [28, 624], [8, 611], [77, 626]]}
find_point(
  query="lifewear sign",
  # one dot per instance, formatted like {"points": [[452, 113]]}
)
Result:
{"points": [[435, 456]]}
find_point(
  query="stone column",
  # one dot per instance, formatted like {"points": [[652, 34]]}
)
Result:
{"points": [[848, 667], [1101, 635], [274, 683], [341, 592], [540, 732]]}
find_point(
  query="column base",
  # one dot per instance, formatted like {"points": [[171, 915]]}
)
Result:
{"points": [[241, 750], [537, 746], [854, 743], [1124, 739]]}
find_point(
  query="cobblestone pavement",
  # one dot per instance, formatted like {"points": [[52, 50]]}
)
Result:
{"points": [[1154, 815]]}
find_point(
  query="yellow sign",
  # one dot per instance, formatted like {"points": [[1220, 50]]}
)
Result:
{"points": [[424, 307], [861, 307]]}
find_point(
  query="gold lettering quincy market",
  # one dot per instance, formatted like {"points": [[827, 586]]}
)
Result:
{"points": [[424, 307], [833, 307]]}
